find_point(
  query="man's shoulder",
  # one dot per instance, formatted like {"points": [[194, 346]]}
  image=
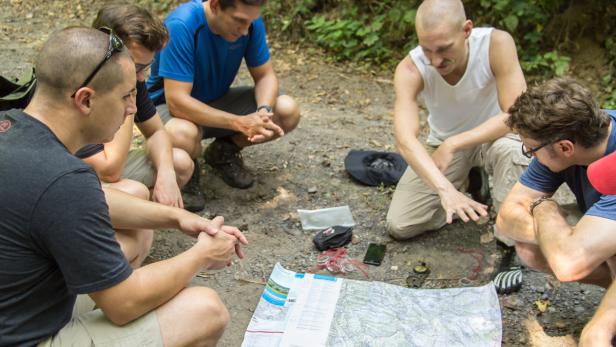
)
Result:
{"points": [[188, 14]]}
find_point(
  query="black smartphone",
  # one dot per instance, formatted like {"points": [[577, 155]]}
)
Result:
{"points": [[374, 254]]}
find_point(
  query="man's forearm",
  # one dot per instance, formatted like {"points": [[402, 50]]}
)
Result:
{"points": [[200, 113], [160, 152], [515, 222], [487, 131], [266, 90], [420, 161], [129, 212]]}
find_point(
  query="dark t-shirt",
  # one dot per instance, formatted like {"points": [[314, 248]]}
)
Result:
{"points": [[56, 238], [145, 111], [589, 201]]}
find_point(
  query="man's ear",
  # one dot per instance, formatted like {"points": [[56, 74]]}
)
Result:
{"points": [[566, 147], [83, 100], [214, 5], [468, 28]]}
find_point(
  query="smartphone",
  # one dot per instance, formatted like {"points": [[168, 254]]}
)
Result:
{"points": [[374, 254]]}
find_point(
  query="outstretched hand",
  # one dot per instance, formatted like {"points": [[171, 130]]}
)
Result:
{"points": [[455, 202]]}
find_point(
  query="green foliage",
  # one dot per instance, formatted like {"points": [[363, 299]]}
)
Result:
{"points": [[382, 32]]}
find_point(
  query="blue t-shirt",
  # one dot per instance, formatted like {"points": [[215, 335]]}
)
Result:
{"points": [[589, 201], [213, 64]]}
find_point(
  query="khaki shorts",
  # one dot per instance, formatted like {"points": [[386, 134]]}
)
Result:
{"points": [[139, 167], [90, 327], [416, 208]]}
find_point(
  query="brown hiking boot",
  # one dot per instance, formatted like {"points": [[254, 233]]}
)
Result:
{"points": [[225, 158], [191, 193]]}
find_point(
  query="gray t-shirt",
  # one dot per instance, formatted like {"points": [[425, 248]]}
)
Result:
{"points": [[56, 239]]}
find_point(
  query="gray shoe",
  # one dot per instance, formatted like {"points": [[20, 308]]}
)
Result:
{"points": [[225, 158], [191, 193]]}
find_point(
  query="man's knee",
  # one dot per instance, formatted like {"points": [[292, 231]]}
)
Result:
{"points": [[183, 165], [184, 134], [403, 231], [201, 304], [133, 188], [532, 257], [287, 109]]}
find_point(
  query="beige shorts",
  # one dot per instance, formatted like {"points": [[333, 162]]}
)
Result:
{"points": [[416, 208], [139, 167], [90, 327]]}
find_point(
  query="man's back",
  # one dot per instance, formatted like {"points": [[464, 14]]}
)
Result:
{"points": [[44, 230]]}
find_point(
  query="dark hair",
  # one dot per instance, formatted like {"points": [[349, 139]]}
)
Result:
{"points": [[224, 4], [133, 23], [76, 50], [559, 109]]}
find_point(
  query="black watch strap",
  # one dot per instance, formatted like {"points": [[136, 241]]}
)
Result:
{"points": [[268, 108]]}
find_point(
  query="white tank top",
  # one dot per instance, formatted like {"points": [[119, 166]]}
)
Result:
{"points": [[461, 107]]}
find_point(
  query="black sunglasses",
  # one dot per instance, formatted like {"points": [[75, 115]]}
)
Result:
{"points": [[115, 46]]}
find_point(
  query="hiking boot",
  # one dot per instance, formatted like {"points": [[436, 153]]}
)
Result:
{"points": [[479, 186], [225, 158], [191, 193]]}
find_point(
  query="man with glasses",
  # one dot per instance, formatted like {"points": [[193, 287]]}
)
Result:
{"points": [[467, 78], [564, 131], [191, 79], [160, 167], [56, 238]]}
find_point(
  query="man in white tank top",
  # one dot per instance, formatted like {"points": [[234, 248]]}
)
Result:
{"points": [[467, 77]]}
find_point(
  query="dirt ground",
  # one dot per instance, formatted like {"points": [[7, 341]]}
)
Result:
{"points": [[343, 108]]}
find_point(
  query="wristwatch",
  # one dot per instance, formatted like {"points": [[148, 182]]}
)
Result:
{"points": [[268, 108], [538, 201]]}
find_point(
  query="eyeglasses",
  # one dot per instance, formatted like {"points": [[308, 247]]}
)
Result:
{"points": [[143, 67], [115, 46], [528, 152]]}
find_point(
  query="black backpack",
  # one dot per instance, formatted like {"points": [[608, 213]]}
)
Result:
{"points": [[17, 93]]}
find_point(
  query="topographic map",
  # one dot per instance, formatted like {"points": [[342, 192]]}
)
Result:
{"points": [[298, 309]]}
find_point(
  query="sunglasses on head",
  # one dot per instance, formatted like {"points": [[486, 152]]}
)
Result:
{"points": [[115, 46]]}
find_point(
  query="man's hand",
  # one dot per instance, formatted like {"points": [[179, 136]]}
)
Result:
{"points": [[217, 250], [193, 225], [166, 191], [596, 335], [443, 155], [466, 208], [259, 127]]}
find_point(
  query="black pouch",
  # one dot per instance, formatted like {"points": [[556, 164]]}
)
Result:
{"points": [[17, 93], [333, 237]]}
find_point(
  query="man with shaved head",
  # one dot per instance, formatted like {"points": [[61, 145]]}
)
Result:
{"points": [[467, 77], [56, 235]]}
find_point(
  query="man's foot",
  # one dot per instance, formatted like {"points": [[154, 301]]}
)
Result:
{"points": [[479, 186], [191, 193], [225, 158]]}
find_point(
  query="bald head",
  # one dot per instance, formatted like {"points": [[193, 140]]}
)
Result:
{"points": [[70, 55], [440, 14]]}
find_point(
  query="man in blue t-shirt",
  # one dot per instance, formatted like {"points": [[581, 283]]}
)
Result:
{"points": [[563, 128], [191, 80]]}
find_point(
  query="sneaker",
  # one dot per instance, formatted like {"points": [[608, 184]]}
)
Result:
{"points": [[225, 158], [479, 186], [191, 193]]}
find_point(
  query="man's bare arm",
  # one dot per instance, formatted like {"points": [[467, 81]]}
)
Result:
{"points": [[573, 253], [602, 327], [514, 219], [154, 284], [266, 84], [408, 83], [160, 151], [109, 163]]}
